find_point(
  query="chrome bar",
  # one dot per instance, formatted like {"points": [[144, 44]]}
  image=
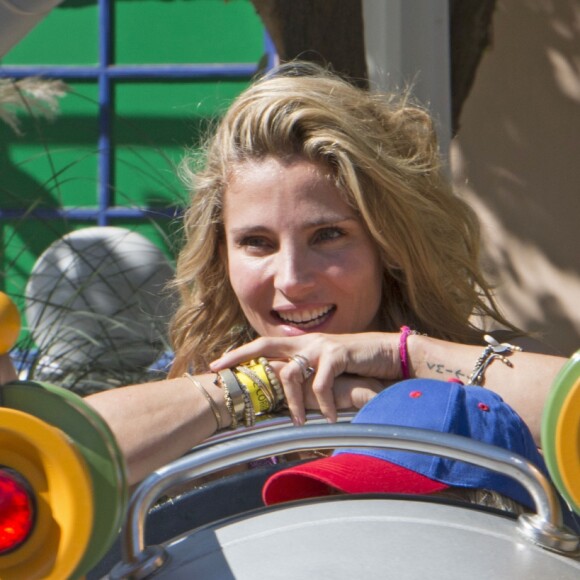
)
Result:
{"points": [[210, 458]]}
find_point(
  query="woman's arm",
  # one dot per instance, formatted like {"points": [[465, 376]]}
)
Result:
{"points": [[369, 354], [524, 385], [155, 423]]}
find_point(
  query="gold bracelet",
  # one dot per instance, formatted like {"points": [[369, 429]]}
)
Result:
{"points": [[273, 379], [219, 382], [230, 407], [228, 379], [249, 412], [212, 404]]}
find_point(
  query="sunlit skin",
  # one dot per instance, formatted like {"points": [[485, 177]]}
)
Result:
{"points": [[299, 258]]}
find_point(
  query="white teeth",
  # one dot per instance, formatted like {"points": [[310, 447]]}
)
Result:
{"points": [[305, 316]]}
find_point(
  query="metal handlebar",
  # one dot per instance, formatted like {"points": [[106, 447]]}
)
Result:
{"points": [[544, 528]]}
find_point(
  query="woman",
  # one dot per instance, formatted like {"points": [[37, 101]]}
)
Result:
{"points": [[321, 223]]}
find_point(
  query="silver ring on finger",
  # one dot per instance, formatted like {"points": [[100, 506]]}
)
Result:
{"points": [[304, 364]]}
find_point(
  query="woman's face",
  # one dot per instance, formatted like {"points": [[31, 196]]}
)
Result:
{"points": [[299, 258]]}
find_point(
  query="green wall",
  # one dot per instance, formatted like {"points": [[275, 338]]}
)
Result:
{"points": [[54, 164]]}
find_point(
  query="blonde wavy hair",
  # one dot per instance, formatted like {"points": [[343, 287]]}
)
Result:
{"points": [[483, 497], [382, 152]]}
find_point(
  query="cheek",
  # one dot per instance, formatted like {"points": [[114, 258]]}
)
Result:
{"points": [[235, 273], [368, 282], [376, 281], [245, 282], [361, 273]]}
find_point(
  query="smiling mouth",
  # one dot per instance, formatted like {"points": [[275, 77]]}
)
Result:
{"points": [[305, 318]]}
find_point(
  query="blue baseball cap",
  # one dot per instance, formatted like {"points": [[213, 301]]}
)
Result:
{"points": [[446, 407]]}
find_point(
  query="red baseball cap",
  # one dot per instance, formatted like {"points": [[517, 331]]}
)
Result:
{"points": [[440, 406]]}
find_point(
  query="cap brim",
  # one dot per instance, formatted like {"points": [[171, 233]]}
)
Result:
{"points": [[347, 473]]}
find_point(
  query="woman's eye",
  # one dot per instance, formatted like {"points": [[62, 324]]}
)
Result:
{"points": [[329, 234], [254, 242]]}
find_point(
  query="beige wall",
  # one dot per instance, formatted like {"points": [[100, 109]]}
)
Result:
{"points": [[517, 160]]}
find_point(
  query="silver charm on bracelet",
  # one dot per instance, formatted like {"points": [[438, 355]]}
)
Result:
{"points": [[493, 350]]}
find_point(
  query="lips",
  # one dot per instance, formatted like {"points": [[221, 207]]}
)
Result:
{"points": [[306, 318]]}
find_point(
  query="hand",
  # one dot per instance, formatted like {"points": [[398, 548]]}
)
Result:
{"points": [[349, 391], [372, 354]]}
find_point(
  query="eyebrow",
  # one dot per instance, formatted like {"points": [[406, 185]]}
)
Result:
{"points": [[307, 225]]}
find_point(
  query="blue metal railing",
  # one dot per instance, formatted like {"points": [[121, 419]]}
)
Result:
{"points": [[104, 73]]}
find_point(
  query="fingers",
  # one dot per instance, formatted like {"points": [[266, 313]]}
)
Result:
{"points": [[322, 388], [295, 379], [270, 348], [354, 392], [293, 373], [361, 395], [304, 364], [318, 356], [292, 381]]}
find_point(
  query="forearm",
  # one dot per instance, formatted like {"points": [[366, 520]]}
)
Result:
{"points": [[524, 385], [155, 423]]}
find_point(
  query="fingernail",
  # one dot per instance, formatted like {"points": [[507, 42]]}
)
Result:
{"points": [[298, 421]]}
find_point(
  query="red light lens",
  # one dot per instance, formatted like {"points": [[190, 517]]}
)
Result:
{"points": [[16, 510]]}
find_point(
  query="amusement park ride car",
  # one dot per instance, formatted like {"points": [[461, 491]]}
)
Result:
{"points": [[64, 501]]}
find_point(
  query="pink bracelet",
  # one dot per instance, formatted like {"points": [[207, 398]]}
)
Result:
{"points": [[403, 354]]}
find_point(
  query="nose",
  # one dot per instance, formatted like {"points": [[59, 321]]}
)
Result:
{"points": [[295, 273]]}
